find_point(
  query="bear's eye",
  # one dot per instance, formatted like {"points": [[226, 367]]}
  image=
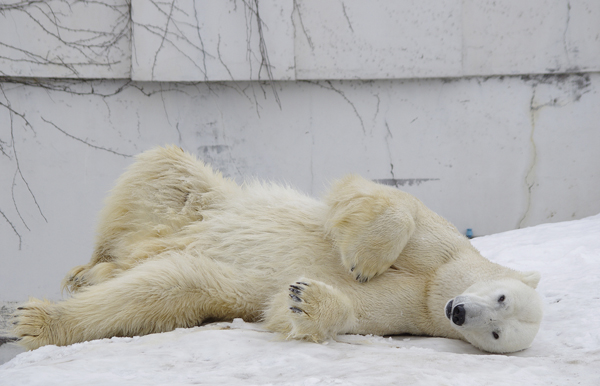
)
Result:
{"points": [[496, 336], [501, 299]]}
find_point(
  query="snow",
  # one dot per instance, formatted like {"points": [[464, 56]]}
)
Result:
{"points": [[565, 352]]}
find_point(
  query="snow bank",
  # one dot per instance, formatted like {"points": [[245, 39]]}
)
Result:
{"points": [[565, 352]]}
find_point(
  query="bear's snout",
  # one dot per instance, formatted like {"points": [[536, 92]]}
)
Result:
{"points": [[457, 314], [449, 309]]}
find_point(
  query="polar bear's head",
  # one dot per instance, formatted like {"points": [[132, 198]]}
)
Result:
{"points": [[498, 316]]}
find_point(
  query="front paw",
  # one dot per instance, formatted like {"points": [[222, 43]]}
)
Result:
{"points": [[365, 269], [87, 275], [297, 304], [318, 311]]}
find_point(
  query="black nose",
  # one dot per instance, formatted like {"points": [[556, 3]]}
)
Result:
{"points": [[449, 309], [458, 315]]}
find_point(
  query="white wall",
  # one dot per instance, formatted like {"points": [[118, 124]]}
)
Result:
{"points": [[205, 40], [410, 94]]}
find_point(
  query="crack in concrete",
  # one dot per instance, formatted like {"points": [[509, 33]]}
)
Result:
{"points": [[578, 85], [398, 182], [377, 108], [387, 144], [530, 176], [565, 41]]}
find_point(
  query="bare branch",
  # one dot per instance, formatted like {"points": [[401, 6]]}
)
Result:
{"points": [[15, 153], [91, 47], [162, 42], [201, 42], [297, 9], [265, 63], [340, 92], [67, 86], [13, 228], [84, 142], [12, 191]]}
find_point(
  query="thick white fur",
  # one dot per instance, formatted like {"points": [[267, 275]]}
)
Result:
{"points": [[178, 245]]}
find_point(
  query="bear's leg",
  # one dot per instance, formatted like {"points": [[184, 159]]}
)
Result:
{"points": [[310, 309], [370, 225], [161, 193], [159, 295]]}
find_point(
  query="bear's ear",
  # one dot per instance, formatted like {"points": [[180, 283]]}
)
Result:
{"points": [[531, 278], [369, 223]]}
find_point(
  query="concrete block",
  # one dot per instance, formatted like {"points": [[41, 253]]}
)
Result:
{"points": [[378, 39], [61, 39], [212, 40], [530, 37]]}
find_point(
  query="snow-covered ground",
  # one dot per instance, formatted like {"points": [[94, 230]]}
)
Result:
{"points": [[565, 352]]}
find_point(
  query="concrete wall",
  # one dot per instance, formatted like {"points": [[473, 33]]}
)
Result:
{"points": [[487, 111]]}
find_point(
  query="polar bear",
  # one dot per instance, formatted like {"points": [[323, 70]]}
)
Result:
{"points": [[178, 245]]}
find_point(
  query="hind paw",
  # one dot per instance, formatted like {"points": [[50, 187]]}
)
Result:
{"points": [[33, 323]]}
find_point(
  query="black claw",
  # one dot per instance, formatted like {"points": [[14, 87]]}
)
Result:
{"points": [[302, 283], [20, 308], [362, 279], [296, 310], [295, 289], [352, 269], [295, 298]]}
